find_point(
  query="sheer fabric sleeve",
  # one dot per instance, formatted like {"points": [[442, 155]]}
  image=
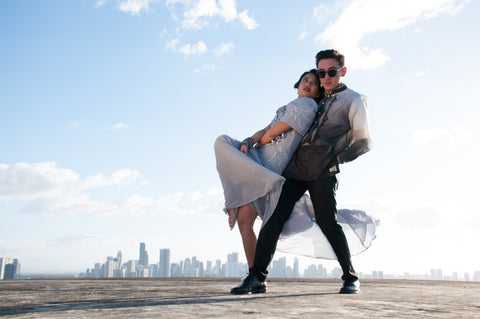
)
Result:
{"points": [[361, 141], [299, 114]]}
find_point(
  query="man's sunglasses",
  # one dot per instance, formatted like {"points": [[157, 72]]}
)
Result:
{"points": [[331, 73]]}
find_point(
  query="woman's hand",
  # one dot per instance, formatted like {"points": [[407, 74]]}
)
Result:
{"points": [[244, 149]]}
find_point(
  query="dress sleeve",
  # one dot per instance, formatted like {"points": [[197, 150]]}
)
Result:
{"points": [[299, 114]]}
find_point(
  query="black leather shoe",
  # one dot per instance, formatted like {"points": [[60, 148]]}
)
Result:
{"points": [[350, 287], [250, 285]]}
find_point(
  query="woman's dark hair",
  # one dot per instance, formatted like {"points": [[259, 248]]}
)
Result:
{"points": [[321, 90]]}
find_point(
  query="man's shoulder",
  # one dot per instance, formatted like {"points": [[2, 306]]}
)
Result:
{"points": [[351, 97], [352, 94]]}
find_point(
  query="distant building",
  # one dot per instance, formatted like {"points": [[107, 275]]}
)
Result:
{"points": [[377, 274], [436, 274], [476, 276], [164, 263], [9, 268], [96, 271], [119, 258], [143, 258], [296, 272], [208, 271], [110, 267], [279, 268], [130, 272], [232, 268]]}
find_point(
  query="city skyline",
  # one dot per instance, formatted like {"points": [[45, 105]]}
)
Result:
{"points": [[314, 270], [109, 110], [118, 267]]}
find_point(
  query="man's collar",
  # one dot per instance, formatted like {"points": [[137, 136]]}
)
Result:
{"points": [[336, 90]]}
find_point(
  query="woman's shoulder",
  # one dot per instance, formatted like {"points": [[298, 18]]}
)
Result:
{"points": [[304, 102]]}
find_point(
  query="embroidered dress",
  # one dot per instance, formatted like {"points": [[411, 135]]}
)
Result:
{"points": [[255, 179]]}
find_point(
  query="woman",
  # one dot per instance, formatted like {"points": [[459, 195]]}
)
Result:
{"points": [[251, 176]]}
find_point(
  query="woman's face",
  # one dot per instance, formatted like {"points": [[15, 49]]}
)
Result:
{"points": [[309, 86]]}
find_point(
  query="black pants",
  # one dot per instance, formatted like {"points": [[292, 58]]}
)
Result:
{"points": [[322, 193]]}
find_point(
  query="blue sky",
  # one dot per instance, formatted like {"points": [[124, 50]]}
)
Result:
{"points": [[109, 111]]}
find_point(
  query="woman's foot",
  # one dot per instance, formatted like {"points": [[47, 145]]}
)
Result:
{"points": [[232, 217]]}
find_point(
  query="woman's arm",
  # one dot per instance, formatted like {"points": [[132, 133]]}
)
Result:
{"points": [[273, 132], [264, 136], [255, 139]]}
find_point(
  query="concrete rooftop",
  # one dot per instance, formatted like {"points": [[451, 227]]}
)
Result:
{"points": [[210, 298]]}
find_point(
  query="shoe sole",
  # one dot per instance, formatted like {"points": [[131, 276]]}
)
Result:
{"points": [[259, 291], [254, 291], [351, 292]]}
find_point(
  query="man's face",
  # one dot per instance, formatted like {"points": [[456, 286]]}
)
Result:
{"points": [[330, 82]]}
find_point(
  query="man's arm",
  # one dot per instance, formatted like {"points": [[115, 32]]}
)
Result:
{"points": [[361, 141]]}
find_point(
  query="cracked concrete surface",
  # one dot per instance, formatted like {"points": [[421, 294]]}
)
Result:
{"points": [[210, 298]]}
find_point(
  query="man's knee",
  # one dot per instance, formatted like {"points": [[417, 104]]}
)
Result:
{"points": [[328, 223]]}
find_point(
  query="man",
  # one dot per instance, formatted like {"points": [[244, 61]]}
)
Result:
{"points": [[340, 133]]}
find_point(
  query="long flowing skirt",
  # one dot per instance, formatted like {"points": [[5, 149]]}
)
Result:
{"points": [[246, 181], [302, 236]]}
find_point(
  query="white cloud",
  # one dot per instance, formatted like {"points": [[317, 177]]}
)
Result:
{"points": [[119, 127], [76, 124], [134, 6], [198, 13], [248, 21], [303, 35], [454, 135], [116, 127], [172, 44], [188, 49], [421, 73], [99, 3], [45, 188], [209, 202], [205, 68], [198, 48], [22, 180], [122, 177], [361, 17], [69, 203], [224, 48]]}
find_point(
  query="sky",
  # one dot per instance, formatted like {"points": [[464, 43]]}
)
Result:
{"points": [[109, 110]]}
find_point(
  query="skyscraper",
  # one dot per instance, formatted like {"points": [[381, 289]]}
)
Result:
{"points": [[119, 258], [164, 263], [9, 268], [143, 259], [232, 267], [296, 271]]}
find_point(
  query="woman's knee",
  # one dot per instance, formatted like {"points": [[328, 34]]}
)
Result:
{"points": [[221, 140], [245, 222]]}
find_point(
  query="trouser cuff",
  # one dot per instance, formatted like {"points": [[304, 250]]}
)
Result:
{"points": [[261, 274]]}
